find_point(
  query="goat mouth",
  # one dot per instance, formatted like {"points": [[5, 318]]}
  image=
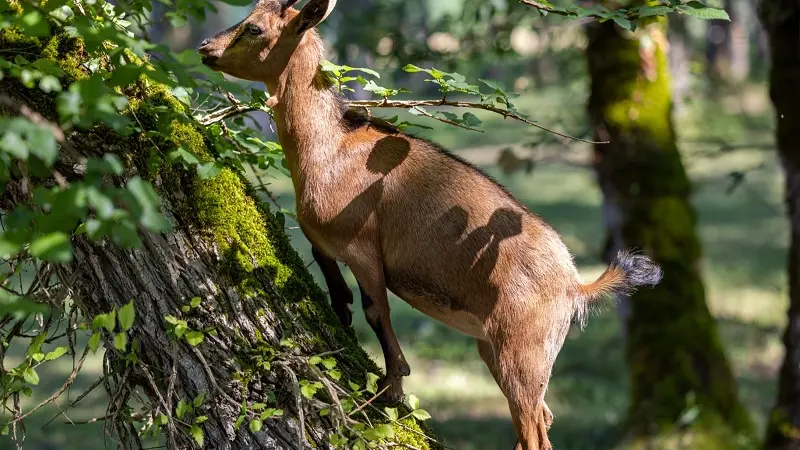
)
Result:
{"points": [[208, 60]]}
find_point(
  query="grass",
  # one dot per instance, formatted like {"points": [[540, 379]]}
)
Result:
{"points": [[745, 240]]}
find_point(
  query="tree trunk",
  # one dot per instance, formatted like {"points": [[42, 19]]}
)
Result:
{"points": [[680, 60], [675, 359], [781, 20], [728, 50], [231, 252]]}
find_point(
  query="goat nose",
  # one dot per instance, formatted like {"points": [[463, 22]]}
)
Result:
{"points": [[204, 43]]}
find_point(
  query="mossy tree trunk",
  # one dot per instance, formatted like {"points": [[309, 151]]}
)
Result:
{"points": [[228, 250], [781, 19], [674, 355]]}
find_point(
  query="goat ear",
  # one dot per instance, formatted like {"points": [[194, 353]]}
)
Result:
{"points": [[313, 13]]}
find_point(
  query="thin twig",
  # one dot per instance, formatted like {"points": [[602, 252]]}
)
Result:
{"points": [[60, 391], [445, 120], [369, 402], [386, 103], [87, 391], [301, 434], [171, 428], [238, 109]]}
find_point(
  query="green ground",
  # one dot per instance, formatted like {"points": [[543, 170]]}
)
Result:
{"points": [[745, 242]]}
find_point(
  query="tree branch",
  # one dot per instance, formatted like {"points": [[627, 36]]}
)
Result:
{"points": [[60, 391], [238, 109]]}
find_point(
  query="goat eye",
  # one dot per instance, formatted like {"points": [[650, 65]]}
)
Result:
{"points": [[255, 30]]}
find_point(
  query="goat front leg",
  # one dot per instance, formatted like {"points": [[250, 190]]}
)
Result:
{"points": [[375, 302], [339, 291]]}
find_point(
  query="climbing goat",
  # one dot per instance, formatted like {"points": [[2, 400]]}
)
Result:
{"points": [[407, 216]]}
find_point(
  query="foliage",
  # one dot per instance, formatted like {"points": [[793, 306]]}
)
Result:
{"points": [[629, 18]]}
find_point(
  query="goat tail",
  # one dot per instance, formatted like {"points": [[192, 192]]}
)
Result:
{"points": [[628, 271]]}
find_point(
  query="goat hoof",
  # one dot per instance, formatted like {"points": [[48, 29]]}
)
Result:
{"points": [[393, 394], [404, 370]]}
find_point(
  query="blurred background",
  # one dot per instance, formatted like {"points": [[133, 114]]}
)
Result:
{"points": [[723, 130]]}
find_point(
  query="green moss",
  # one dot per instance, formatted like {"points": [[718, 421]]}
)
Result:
{"points": [[412, 434]]}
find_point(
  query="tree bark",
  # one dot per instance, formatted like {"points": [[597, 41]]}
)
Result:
{"points": [[229, 250], [727, 45], [675, 359], [781, 20]]}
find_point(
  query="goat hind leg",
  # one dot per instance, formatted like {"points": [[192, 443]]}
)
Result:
{"points": [[339, 291], [524, 372], [488, 356], [375, 303]]}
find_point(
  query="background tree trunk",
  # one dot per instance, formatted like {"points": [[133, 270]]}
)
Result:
{"points": [[675, 358], [782, 22], [727, 44], [229, 250]]}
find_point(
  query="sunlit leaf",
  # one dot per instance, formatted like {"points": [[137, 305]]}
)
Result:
{"points": [[126, 316], [53, 247]]}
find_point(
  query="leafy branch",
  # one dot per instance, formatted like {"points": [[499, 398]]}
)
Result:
{"points": [[628, 18], [497, 101]]}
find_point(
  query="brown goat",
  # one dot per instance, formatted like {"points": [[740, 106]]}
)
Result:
{"points": [[405, 215]]}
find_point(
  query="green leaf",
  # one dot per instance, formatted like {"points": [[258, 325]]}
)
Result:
{"points": [[195, 302], [34, 24], [412, 401], [701, 11], [209, 170], [184, 155], [255, 425], [30, 376], [314, 360], [194, 338], [148, 201], [372, 383], [120, 341], [494, 85], [49, 83], [200, 419], [113, 163], [421, 414], [94, 341], [36, 344], [410, 68], [201, 397], [107, 321], [391, 412], [197, 434], [623, 23], [182, 409], [125, 75], [55, 354], [13, 144], [308, 389], [53, 247], [11, 244], [126, 316], [383, 430], [650, 11], [270, 413]]}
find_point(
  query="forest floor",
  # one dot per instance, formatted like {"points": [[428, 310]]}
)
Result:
{"points": [[742, 229]]}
